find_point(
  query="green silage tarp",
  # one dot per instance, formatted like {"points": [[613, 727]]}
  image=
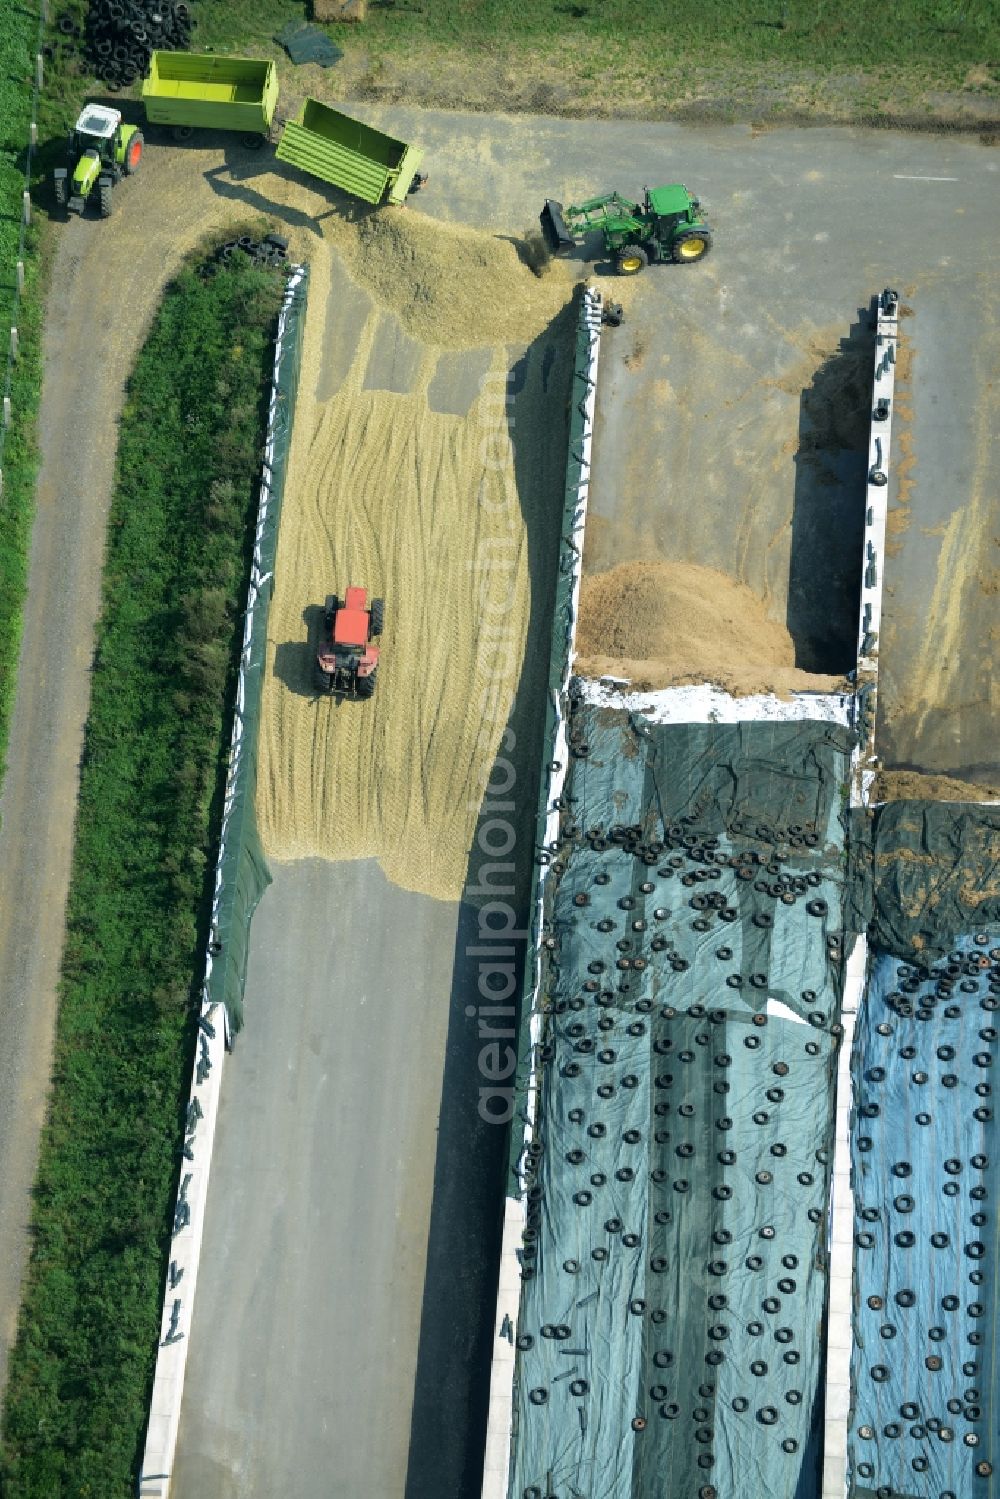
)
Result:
{"points": [[675, 1273], [242, 875]]}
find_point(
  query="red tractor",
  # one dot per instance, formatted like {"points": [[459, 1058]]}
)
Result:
{"points": [[346, 662]]}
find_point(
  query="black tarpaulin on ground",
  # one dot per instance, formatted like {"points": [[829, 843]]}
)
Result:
{"points": [[936, 875], [308, 44]]}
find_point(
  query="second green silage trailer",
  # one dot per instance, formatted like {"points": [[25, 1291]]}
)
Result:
{"points": [[349, 154]]}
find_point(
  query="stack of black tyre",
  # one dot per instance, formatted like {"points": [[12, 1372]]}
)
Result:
{"points": [[121, 35], [271, 250]]}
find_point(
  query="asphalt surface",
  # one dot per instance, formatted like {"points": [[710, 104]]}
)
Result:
{"points": [[307, 1316], [707, 451], [733, 425], [733, 404]]}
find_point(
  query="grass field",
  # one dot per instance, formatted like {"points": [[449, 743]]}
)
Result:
{"points": [[155, 750], [650, 58], [18, 43]]}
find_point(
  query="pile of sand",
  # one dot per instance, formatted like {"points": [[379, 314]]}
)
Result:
{"points": [[661, 624], [450, 286]]}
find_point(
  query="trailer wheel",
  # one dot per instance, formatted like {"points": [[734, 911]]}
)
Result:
{"points": [[182, 132], [377, 615], [366, 685], [105, 189], [630, 260], [254, 141], [133, 154]]}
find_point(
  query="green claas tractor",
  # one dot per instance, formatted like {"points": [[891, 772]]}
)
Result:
{"points": [[101, 151], [666, 225]]}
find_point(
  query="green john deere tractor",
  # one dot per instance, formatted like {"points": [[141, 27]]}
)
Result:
{"points": [[666, 225], [101, 151]]}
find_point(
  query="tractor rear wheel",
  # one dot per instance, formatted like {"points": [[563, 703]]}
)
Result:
{"points": [[133, 154], [692, 245], [105, 199], [377, 613], [630, 260], [366, 685]]}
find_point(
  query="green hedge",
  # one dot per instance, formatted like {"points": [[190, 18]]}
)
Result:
{"points": [[18, 455], [180, 533]]}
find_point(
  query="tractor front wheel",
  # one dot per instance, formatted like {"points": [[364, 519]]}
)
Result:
{"points": [[62, 191], [630, 260], [330, 608], [366, 685], [105, 199], [691, 246], [133, 154], [377, 614]]}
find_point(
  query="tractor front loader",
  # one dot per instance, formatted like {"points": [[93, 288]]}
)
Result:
{"points": [[666, 225], [101, 151]]}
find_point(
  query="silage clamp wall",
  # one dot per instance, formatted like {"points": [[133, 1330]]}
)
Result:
{"points": [[583, 396], [241, 873]]}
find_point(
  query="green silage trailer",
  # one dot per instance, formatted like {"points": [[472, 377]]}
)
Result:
{"points": [[353, 156], [193, 90]]}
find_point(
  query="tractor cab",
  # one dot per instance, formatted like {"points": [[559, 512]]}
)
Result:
{"points": [[671, 229], [670, 207], [94, 132]]}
